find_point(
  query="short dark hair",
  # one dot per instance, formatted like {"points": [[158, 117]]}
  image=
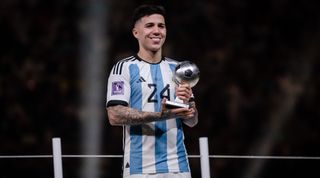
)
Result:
{"points": [[146, 10]]}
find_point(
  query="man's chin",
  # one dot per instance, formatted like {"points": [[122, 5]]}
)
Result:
{"points": [[155, 49]]}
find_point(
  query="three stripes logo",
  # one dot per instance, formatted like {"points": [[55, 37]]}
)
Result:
{"points": [[141, 79]]}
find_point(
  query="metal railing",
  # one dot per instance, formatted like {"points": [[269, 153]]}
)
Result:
{"points": [[204, 157]]}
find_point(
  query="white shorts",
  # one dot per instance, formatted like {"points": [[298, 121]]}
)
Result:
{"points": [[160, 175]]}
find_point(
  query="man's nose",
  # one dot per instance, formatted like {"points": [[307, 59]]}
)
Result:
{"points": [[156, 30]]}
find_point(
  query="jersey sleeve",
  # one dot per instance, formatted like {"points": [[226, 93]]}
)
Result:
{"points": [[118, 87]]}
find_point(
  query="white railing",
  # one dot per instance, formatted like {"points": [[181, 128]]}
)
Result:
{"points": [[204, 157]]}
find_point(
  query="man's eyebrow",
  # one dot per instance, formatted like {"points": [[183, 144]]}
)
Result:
{"points": [[160, 23]]}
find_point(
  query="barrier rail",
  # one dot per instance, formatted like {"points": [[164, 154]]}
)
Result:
{"points": [[204, 157]]}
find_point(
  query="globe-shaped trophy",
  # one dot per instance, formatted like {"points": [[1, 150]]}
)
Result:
{"points": [[185, 72]]}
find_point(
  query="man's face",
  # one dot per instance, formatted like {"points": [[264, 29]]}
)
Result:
{"points": [[150, 32]]}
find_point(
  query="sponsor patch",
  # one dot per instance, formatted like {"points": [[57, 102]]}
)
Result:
{"points": [[117, 88]]}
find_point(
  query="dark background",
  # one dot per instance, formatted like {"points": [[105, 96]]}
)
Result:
{"points": [[257, 95]]}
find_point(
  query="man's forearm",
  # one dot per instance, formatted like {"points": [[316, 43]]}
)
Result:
{"points": [[192, 121], [122, 115]]}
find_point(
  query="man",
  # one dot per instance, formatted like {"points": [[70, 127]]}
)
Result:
{"points": [[138, 87]]}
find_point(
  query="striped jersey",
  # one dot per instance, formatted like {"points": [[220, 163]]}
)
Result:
{"points": [[155, 147]]}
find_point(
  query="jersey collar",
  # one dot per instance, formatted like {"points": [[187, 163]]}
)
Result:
{"points": [[140, 59]]}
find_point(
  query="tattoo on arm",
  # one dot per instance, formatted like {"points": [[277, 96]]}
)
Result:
{"points": [[122, 115]]}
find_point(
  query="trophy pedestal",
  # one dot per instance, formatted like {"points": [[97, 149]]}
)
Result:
{"points": [[173, 105]]}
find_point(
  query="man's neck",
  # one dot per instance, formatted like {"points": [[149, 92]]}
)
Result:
{"points": [[149, 56]]}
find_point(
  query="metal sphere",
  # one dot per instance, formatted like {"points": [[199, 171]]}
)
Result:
{"points": [[186, 72]]}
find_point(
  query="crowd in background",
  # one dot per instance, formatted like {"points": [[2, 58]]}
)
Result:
{"points": [[259, 66]]}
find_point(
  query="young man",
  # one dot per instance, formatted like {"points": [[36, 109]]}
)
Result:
{"points": [[137, 89]]}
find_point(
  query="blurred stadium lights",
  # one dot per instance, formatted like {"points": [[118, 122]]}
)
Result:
{"points": [[272, 129], [92, 65], [291, 89]]}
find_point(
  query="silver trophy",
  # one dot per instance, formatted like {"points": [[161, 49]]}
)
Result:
{"points": [[185, 72]]}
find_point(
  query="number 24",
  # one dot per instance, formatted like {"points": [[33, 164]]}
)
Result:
{"points": [[165, 93]]}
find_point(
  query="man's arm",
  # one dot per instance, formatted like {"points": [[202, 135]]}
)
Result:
{"points": [[184, 92], [123, 115], [192, 119]]}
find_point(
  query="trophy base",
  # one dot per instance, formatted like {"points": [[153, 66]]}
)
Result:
{"points": [[174, 105]]}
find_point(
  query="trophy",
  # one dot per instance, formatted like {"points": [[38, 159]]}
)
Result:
{"points": [[185, 72]]}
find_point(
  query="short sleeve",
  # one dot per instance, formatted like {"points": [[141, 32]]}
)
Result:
{"points": [[118, 87]]}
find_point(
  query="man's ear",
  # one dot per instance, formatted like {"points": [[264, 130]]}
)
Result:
{"points": [[135, 32]]}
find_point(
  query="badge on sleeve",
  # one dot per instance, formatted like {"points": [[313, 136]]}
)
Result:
{"points": [[117, 88]]}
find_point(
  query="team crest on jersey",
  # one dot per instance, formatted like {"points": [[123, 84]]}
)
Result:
{"points": [[117, 88]]}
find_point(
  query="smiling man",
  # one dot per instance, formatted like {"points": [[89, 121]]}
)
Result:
{"points": [[138, 87]]}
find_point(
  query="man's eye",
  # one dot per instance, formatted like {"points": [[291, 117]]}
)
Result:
{"points": [[149, 25]]}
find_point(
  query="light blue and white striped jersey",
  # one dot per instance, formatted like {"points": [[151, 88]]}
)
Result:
{"points": [[156, 147]]}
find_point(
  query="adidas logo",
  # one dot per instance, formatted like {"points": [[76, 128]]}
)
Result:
{"points": [[127, 165], [141, 79]]}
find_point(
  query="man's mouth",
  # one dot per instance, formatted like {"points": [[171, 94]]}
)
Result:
{"points": [[155, 39]]}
